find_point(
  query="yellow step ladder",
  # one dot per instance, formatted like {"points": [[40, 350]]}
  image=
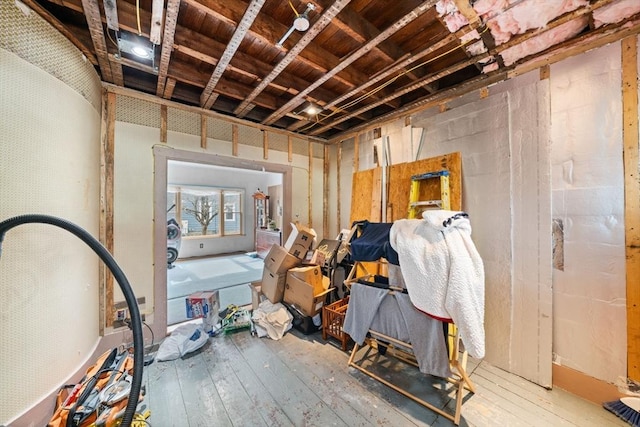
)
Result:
{"points": [[415, 204]]}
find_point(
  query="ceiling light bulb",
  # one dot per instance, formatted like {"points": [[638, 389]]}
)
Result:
{"points": [[140, 51], [312, 110], [301, 23]]}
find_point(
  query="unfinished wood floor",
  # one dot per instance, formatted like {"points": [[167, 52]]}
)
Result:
{"points": [[240, 380]]}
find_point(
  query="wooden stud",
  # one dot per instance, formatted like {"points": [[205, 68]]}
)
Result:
{"points": [[157, 10], [338, 190], [309, 182], [234, 140], [407, 121], [111, 15], [443, 107], [265, 144], [325, 190], [545, 72], [163, 124], [106, 204], [203, 131], [356, 153], [290, 148], [376, 196], [632, 200], [484, 92]]}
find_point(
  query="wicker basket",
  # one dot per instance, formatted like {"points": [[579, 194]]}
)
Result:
{"points": [[333, 319]]}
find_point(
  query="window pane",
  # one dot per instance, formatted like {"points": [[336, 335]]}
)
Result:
{"points": [[232, 212], [172, 211], [199, 211]]}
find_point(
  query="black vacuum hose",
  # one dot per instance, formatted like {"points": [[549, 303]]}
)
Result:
{"points": [[129, 296]]}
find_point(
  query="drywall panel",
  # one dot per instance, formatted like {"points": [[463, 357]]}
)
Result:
{"points": [[587, 182], [49, 164], [480, 131]]}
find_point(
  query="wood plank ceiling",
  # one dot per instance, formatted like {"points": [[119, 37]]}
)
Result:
{"points": [[358, 62]]}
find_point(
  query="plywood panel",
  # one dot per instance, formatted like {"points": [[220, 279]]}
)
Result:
{"points": [[361, 189], [400, 182]]}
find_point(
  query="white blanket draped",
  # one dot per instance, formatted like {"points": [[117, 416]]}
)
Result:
{"points": [[443, 272]]}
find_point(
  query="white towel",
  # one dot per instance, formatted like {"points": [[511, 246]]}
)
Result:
{"points": [[443, 272]]}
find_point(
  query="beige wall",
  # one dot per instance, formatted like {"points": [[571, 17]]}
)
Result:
{"points": [[49, 164]]}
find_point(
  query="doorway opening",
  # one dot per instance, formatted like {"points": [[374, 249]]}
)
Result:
{"points": [[229, 226]]}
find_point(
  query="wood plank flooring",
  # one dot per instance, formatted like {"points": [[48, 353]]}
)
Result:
{"points": [[240, 380]]}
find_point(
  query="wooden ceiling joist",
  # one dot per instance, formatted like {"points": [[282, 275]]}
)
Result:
{"points": [[157, 11], [207, 98], [173, 6], [317, 27], [298, 99], [94, 21]]}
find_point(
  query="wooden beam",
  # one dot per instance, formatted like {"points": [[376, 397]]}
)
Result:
{"points": [[171, 18], [631, 146], [203, 131], [293, 53], [356, 153], [107, 137], [388, 32], [265, 144], [545, 72], [157, 10], [325, 191], [338, 189], [234, 140], [251, 13], [289, 148], [168, 88], [111, 14], [163, 124], [94, 21], [309, 182]]}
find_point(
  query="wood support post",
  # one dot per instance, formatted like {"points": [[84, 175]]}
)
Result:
{"points": [[163, 124], [632, 200]]}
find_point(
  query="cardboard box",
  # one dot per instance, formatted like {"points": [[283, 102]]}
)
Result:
{"points": [[203, 305], [278, 260], [314, 257], [311, 274], [300, 240], [272, 285], [256, 294], [302, 295]]}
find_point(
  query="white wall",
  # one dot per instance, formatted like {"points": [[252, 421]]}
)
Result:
{"points": [[49, 164], [134, 187], [185, 174]]}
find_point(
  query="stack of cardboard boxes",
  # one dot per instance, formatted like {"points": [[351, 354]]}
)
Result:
{"points": [[301, 288]]}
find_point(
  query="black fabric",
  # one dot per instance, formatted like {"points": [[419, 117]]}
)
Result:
{"points": [[372, 242]]}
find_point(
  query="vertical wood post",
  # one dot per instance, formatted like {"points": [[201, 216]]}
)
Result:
{"points": [[309, 182], [338, 190], [290, 148], [234, 140], [356, 153], [265, 144], [163, 124], [203, 131], [632, 200], [107, 135], [325, 191]]}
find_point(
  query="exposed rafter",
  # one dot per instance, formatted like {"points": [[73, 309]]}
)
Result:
{"points": [[173, 6], [315, 29], [208, 97], [94, 21], [298, 99]]}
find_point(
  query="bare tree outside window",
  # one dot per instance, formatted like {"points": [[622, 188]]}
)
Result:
{"points": [[203, 211]]}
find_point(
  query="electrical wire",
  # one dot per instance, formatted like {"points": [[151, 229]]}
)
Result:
{"points": [[138, 16], [153, 340], [294, 9], [370, 93]]}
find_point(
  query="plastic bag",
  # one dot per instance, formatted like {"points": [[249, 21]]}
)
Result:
{"points": [[183, 340]]}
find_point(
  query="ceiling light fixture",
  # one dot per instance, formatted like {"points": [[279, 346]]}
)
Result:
{"points": [[300, 23], [312, 110]]}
